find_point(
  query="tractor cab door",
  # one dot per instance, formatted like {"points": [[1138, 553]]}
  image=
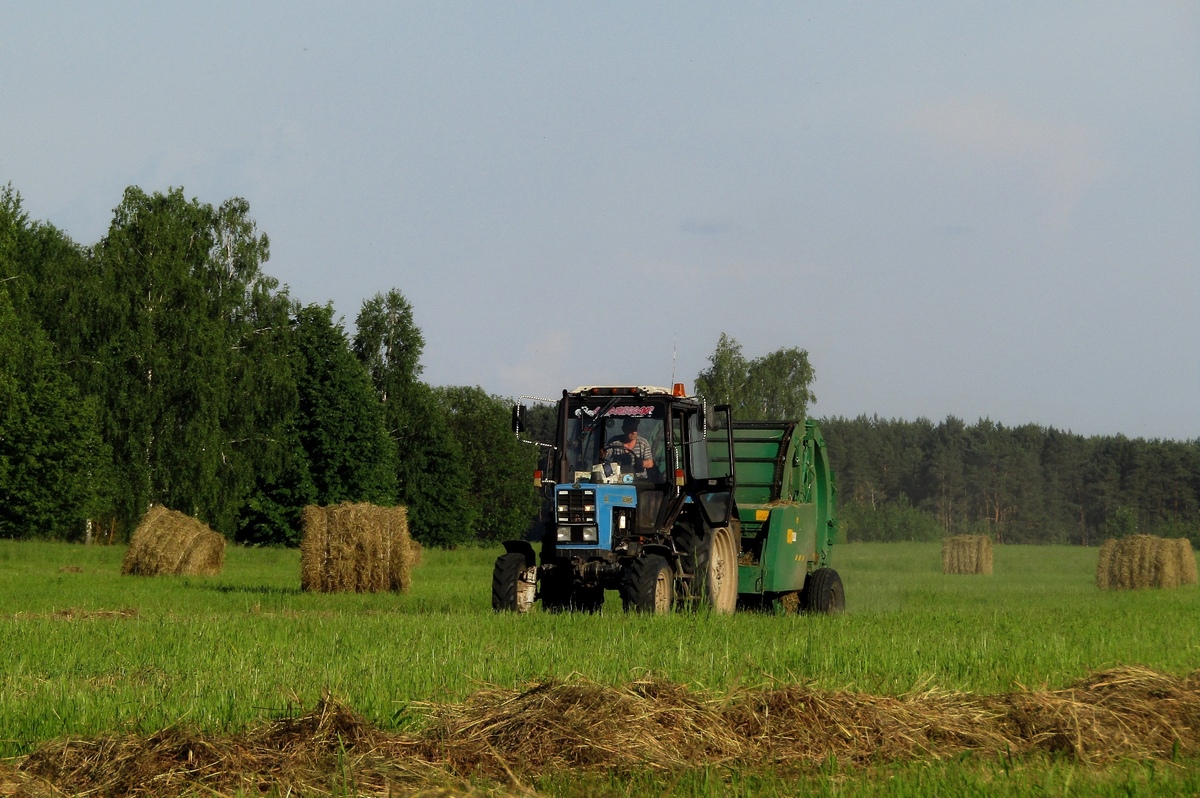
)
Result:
{"points": [[708, 452]]}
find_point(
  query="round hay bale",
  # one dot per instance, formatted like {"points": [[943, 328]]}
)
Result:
{"points": [[983, 556], [400, 545], [1104, 566], [355, 548], [1165, 571], [167, 542], [314, 549], [967, 554], [1141, 561], [1187, 561]]}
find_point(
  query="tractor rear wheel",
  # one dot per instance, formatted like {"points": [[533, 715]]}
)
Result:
{"points": [[723, 572], [711, 559], [823, 592], [649, 585], [513, 583]]}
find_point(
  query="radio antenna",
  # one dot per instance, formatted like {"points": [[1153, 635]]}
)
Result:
{"points": [[674, 339]]}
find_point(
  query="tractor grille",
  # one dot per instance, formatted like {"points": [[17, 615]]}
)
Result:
{"points": [[576, 506]]}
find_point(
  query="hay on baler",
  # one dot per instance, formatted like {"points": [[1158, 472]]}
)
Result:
{"points": [[171, 543], [355, 548], [967, 554], [1142, 561]]}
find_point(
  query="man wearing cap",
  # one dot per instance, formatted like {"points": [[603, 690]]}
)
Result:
{"points": [[629, 450]]}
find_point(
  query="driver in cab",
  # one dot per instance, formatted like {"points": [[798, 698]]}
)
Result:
{"points": [[629, 450]]}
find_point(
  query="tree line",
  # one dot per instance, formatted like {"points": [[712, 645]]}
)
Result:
{"points": [[915, 480], [163, 365]]}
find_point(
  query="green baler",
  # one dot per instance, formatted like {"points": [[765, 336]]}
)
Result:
{"points": [[786, 506]]}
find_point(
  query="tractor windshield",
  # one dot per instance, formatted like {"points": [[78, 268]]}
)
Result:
{"points": [[607, 441]]}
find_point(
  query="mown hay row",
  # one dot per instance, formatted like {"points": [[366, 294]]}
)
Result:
{"points": [[167, 542], [1143, 561], [355, 548], [967, 554], [1124, 713]]}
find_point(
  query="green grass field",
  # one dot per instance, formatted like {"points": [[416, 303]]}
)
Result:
{"points": [[222, 653]]}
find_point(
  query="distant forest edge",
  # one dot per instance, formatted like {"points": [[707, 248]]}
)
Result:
{"points": [[162, 365], [915, 480]]}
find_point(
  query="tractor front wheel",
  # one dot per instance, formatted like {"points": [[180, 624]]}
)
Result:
{"points": [[649, 585], [513, 583], [823, 592]]}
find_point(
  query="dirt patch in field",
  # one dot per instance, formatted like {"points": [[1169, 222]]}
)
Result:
{"points": [[512, 736]]}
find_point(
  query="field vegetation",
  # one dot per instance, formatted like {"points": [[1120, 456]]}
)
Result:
{"points": [[90, 652]]}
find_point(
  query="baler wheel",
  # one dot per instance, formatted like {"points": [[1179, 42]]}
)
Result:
{"points": [[649, 585], [823, 592]]}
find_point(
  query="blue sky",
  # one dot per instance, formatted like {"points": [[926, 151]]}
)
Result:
{"points": [[978, 209]]}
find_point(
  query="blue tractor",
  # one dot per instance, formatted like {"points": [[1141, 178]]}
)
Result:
{"points": [[639, 499]]}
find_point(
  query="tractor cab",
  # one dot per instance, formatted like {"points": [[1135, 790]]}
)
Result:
{"points": [[640, 452]]}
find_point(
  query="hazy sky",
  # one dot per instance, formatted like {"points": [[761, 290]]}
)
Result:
{"points": [[981, 209]]}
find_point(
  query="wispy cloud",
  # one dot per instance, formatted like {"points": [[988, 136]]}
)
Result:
{"points": [[1064, 155]]}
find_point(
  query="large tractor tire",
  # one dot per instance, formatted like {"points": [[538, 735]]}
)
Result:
{"points": [[723, 571], [712, 560], [823, 592], [513, 584], [649, 585]]}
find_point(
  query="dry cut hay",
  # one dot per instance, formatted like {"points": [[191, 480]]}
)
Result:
{"points": [[169, 542], [1122, 713], [355, 548], [1142, 561], [516, 735], [967, 554], [321, 753], [415, 553]]}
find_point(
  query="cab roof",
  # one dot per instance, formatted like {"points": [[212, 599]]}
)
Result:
{"points": [[621, 390]]}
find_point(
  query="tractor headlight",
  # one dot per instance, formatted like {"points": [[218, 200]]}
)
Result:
{"points": [[564, 534], [590, 534]]}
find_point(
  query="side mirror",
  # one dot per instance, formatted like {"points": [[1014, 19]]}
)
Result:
{"points": [[716, 417], [518, 418]]}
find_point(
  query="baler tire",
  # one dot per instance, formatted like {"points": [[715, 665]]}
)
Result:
{"points": [[823, 592], [649, 585], [505, 578]]}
